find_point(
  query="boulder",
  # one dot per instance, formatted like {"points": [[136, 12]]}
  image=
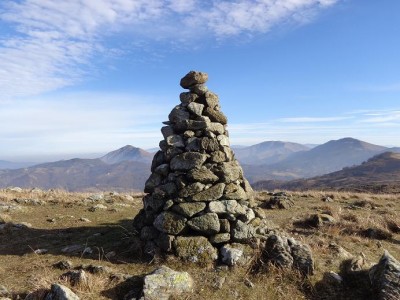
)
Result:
{"points": [[164, 282]]}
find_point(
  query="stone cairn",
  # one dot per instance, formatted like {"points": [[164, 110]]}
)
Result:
{"points": [[197, 196]]}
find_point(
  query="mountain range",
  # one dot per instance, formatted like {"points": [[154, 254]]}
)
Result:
{"points": [[128, 168], [379, 174]]}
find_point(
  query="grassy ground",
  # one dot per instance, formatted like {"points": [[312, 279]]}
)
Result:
{"points": [[366, 224]]}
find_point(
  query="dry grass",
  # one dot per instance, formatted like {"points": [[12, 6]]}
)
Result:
{"points": [[56, 222]]}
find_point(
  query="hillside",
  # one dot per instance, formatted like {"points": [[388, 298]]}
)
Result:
{"points": [[268, 152], [378, 174], [79, 175]]}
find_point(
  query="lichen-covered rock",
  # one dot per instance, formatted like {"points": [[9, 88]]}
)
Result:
{"points": [[385, 278], [213, 193], [164, 282], [189, 209], [302, 256], [277, 251], [202, 175], [243, 232], [206, 224], [170, 223], [187, 161], [231, 255], [195, 249]]}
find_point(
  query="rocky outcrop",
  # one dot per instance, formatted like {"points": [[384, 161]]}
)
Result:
{"points": [[197, 196]]}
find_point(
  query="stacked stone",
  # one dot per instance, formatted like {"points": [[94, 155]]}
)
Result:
{"points": [[197, 192]]}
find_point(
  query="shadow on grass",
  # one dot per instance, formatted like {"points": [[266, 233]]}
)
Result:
{"points": [[356, 285], [101, 239]]}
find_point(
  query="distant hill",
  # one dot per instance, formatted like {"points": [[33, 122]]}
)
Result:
{"points": [[127, 153], [85, 174], [268, 152], [380, 173]]}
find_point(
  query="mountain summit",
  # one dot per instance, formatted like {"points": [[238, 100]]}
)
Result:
{"points": [[127, 153]]}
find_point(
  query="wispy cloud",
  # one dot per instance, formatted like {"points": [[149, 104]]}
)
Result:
{"points": [[312, 119], [376, 126], [51, 43]]}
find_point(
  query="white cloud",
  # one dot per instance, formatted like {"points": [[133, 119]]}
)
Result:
{"points": [[53, 42], [312, 119], [85, 122]]}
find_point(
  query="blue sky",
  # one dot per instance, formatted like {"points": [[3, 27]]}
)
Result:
{"points": [[90, 76]]}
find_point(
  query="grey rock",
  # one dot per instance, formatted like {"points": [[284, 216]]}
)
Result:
{"points": [[218, 156], [164, 282], [170, 223], [175, 140], [302, 257], [152, 182], [318, 220], [203, 175], [234, 192], [60, 292], [229, 171], [209, 144], [153, 203], [223, 140], [188, 97], [211, 100], [227, 207], [385, 278], [162, 169], [178, 114], [168, 189], [230, 255], [281, 202], [168, 204], [189, 209], [193, 78], [195, 249], [207, 224], [198, 89], [63, 265], [191, 189], [193, 144], [277, 251], [216, 128], [220, 238], [158, 159], [213, 193], [75, 277], [243, 232], [171, 152], [187, 161], [215, 116], [195, 108], [167, 131]]}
